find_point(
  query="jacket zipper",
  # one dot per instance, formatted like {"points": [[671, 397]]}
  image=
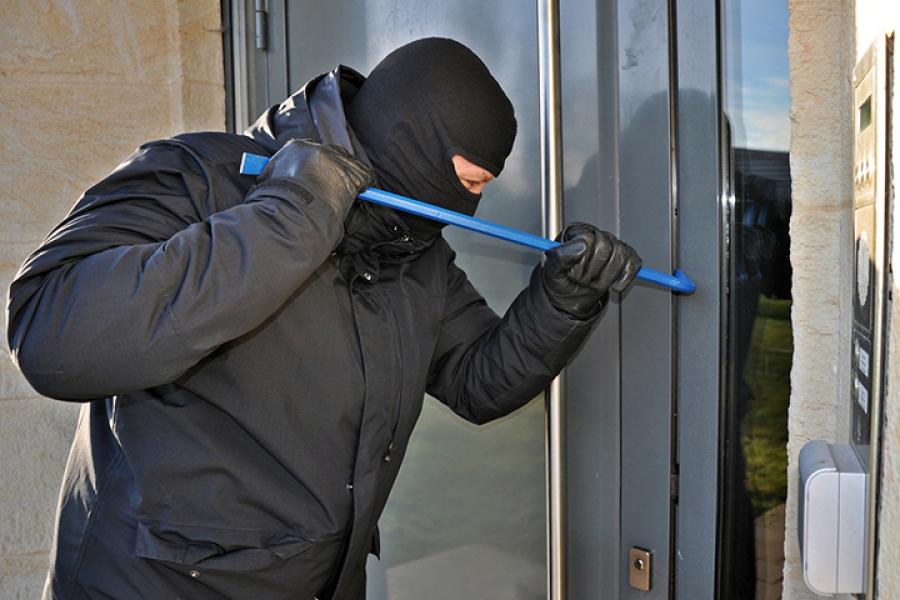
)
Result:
{"points": [[359, 348], [399, 403], [398, 411]]}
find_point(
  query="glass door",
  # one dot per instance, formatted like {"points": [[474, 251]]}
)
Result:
{"points": [[466, 516], [757, 126]]}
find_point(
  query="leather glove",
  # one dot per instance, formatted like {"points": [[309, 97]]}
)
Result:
{"points": [[322, 172], [579, 273]]}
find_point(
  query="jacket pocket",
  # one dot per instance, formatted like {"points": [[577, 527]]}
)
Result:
{"points": [[219, 563], [219, 549]]}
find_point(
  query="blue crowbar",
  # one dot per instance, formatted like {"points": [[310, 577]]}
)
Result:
{"points": [[253, 164]]}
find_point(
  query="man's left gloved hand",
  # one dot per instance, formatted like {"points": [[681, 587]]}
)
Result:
{"points": [[579, 273]]}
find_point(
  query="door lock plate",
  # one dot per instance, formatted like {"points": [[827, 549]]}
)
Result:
{"points": [[640, 568]]}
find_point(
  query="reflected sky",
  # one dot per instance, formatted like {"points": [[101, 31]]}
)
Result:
{"points": [[757, 97]]}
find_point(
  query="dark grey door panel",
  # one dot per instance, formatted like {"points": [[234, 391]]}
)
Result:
{"points": [[590, 154], [645, 214], [697, 317]]}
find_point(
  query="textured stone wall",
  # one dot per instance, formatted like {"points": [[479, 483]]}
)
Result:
{"points": [[821, 56], [889, 516], [826, 41], [82, 84]]}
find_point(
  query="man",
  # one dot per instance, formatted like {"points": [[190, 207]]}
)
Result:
{"points": [[253, 354]]}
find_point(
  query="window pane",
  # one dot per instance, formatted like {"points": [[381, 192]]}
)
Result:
{"points": [[466, 516], [758, 134]]}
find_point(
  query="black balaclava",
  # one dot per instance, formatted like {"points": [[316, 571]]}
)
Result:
{"points": [[423, 103]]}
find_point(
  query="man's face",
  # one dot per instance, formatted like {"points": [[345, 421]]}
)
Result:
{"points": [[473, 177]]}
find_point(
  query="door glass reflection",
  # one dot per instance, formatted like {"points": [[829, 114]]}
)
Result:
{"points": [[757, 134], [466, 516]]}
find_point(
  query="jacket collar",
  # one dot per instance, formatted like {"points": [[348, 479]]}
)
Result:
{"points": [[316, 112]]}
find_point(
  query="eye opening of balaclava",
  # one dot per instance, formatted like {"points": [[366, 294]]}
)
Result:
{"points": [[421, 105]]}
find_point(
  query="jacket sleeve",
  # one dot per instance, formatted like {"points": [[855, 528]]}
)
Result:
{"points": [[134, 286], [485, 366]]}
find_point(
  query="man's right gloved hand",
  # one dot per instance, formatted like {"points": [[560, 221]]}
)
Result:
{"points": [[324, 173], [579, 273]]}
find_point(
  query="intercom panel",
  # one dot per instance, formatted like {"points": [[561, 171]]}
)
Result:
{"points": [[869, 174]]}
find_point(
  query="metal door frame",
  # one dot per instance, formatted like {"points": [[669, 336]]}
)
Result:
{"points": [[703, 214], [247, 63]]}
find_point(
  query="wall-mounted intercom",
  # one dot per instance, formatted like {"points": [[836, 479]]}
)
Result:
{"points": [[869, 170], [838, 502]]}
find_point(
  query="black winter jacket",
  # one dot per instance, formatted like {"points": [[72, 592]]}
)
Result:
{"points": [[249, 391]]}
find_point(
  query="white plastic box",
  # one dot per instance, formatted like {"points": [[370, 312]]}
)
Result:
{"points": [[832, 523]]}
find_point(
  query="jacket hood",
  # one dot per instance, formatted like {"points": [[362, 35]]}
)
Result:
{"points": [[317, 111]]}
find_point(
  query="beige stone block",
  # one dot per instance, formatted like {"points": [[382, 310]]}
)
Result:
{"points": [[820, 318], [816, 230], [889, 515], [124, 41], [82, 85], [200, 35], [35, 436], [821, 59], [13, 385], [22, 576], [820, 55], [61, 150], [889, 533], [203, 106], [889, 512]]}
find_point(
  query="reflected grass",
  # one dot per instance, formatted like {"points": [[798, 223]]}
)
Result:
{"points": [[764, 429]]}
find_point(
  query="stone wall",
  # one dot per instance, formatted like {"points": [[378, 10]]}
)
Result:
{"points": [[82, 84], [826, 41], [820, 55]]}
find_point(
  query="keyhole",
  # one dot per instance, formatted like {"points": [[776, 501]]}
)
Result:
{"points": [[639, 564]]}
